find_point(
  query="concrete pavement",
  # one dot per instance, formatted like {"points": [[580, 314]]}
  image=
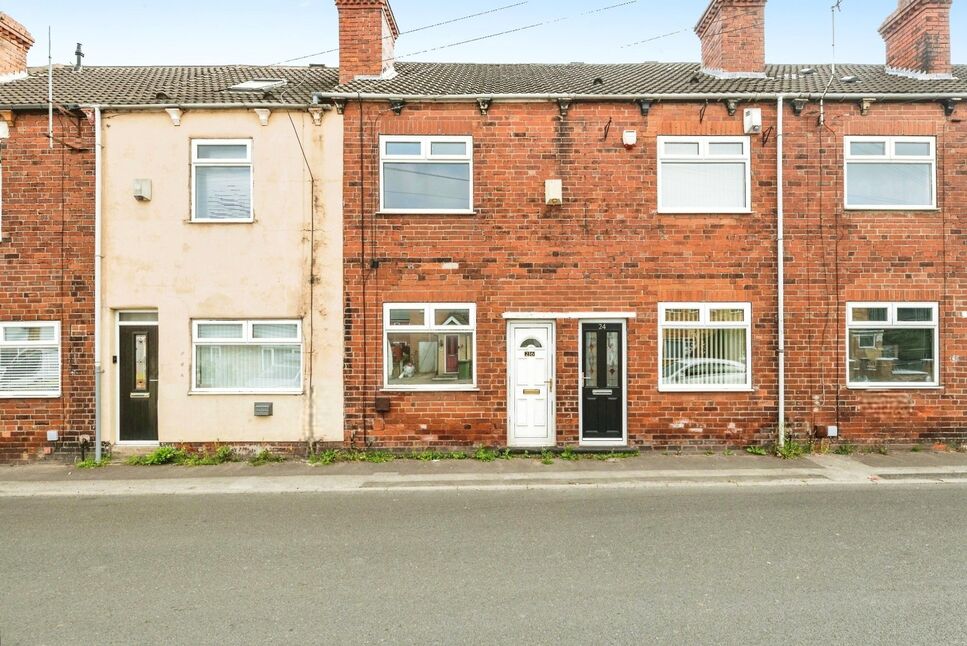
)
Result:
{"points": [[646, 471]]}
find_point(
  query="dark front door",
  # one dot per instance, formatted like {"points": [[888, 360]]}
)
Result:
{"points": [[602, 381], [139, 383]]}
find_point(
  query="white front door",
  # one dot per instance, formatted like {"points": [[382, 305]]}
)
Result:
{"points": [[530, 361]]}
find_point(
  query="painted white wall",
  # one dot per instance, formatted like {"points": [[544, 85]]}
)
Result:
{"points": [[155, 258]]}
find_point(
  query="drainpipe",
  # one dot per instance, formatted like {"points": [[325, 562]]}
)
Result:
{"points": [[98, 180], [781, 272]]}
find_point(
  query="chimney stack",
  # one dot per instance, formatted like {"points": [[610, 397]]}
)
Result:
{"points": [[917, 37], [15, 42], [733, 36], [367, 37]]}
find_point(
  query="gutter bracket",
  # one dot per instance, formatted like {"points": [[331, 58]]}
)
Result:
{"points": [[316, 113], [484, 104], [9, 116], [397, 105], [340, 105], [798, 105], [950, 105], [175, 115], [644, 105], [731, 105], [564, 105], [865, 105], [263, 114]]}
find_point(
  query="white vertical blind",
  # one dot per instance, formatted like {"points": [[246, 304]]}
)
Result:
{"points": [[705, 346]]}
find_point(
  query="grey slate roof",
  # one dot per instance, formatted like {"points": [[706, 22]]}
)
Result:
{"points": [[166, 85], [184, 85], [640, 78]]}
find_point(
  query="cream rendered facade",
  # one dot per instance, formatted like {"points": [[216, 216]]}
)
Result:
{"points": [[156, 259]]}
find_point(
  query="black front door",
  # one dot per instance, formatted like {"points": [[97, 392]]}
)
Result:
{"points": [[602, 381], [138, 372]]}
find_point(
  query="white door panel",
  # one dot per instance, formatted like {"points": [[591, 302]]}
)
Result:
{"points": [[531, 384]]}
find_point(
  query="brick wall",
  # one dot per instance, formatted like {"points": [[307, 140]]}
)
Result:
{"points": [[917, 36], [606, 249], [366, 38], [15, 41], [733, 35], [47, 274]]}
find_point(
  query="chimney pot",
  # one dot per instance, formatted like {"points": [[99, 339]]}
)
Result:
{"points": [[733, 38], [367, 38], [917, 37], [15, 42]]}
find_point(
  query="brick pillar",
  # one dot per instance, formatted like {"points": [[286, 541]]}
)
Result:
{"points": [[367, 36], [15, 42], [917, 37], [733, 36]]}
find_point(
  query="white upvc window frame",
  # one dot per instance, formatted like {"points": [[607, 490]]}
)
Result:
{"points": [[429, 327], [56, 343], [246, 163], [890, 157], [425, 157], [704, 157], [705, 323], [892, 323], [247, 339]]}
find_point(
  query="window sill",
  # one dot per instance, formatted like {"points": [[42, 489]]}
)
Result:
{"points": [[924, 209], [887, 387], [31, 396], [424, 212], [246, 393], [705, 213], [702, 389], [431, 389], [249, 221]]}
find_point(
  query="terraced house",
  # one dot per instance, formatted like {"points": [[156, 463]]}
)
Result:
{"points": [[655, 254], [172, 265]]}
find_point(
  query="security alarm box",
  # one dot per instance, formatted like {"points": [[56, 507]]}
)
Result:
{"points": [[142, 190]]}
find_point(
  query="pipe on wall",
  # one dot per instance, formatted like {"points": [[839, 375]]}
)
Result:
{"points": [[780, 275], [98, 183]]}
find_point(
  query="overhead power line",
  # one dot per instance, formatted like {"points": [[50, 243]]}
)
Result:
{"points": [[515, 30], [413, 31]]}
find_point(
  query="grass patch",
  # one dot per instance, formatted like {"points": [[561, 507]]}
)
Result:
{"points": [[728, 452], [793, 449], [428, 455], [91, 463], [757, 450], [616, 455], [161, 455], [916, 448], [221, 455], [547, 457], [569, 454], [265, 457], [485, 454], [845, 449], [332, 456]]}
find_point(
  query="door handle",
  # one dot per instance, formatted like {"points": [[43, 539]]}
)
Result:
{"points": [[550, 383]]}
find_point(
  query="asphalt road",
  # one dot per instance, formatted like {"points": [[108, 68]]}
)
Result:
{"points": [[872, 565]]}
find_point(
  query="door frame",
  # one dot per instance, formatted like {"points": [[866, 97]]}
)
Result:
{"points": [[552, 392], [118, 324], [624, 384]]}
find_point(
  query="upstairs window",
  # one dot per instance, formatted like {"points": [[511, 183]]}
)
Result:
{"points": [[705, 346], [29, 360], [247, 356], [704, 175], [221, 178], [892, 345], [429, 346], [891, 173], [426, 174]]}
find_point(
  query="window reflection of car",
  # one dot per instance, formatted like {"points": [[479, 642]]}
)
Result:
{"points": [[705, 371]]}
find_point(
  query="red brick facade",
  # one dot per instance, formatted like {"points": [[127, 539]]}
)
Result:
{"points": [[607, 249], [15, 41], [364, 48], [47, 274]]}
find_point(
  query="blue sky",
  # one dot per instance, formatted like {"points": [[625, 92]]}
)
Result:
{"points": [[142, 32]]}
